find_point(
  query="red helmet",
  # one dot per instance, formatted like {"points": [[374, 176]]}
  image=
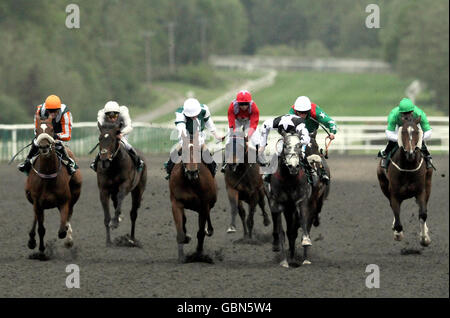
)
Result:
{"points": [[244, 97]]}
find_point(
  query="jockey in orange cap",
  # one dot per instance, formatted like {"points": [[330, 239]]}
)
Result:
{"points": [[243, 113], [62, 126]]}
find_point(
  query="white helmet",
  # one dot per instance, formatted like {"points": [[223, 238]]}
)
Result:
{"points": [[191, 107], [111, 106], [302, 104]]}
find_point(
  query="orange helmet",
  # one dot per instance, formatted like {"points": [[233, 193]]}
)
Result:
{"points": [[52, 102]]}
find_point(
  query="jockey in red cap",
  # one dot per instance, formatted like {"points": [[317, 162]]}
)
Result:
{"points": [[243, 113]]}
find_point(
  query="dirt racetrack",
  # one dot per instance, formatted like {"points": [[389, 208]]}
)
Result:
{"points": [[355, 231]]}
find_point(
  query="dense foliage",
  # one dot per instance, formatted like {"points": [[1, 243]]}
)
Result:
{"points": [[106, 58]]}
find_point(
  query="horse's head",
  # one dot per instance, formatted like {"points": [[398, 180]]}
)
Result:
{"points": [[291, 152], [236, 150], [190, 164], [410, 136], [44, 136], [108, 141]]}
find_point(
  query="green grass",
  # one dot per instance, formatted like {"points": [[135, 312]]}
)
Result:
{"points": [[339, 94]]}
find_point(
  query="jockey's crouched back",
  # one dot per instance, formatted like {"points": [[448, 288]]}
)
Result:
{"points": [[62, 127], [113, 113]]}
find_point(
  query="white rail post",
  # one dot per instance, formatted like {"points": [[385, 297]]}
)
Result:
{"points": [[14, 141]]}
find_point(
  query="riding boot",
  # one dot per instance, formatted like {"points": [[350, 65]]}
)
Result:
{"points": [[69, 162], [224, 164], [94, 163], [386, 153], [25, 166], [323, 175], [308, 170], [169, 166], [138, 162], [427, 156]]}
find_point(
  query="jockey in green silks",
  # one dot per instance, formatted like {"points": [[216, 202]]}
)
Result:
{"points": [[313, 115], [394, 121]]}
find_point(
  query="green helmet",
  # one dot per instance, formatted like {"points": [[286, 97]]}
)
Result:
{"points": [[406, 105]]}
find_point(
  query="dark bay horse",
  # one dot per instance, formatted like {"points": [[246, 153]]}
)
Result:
{"points": [[407, 176], [290, 192], [116, 177], [243, 183], [320, 190], [193, 187], [49, 185]]}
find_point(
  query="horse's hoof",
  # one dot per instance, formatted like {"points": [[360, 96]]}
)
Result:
{"points": [[187, 239], [306, 262], [209, 232], [398, 236], [425, 241], [284, 264], [306, 241], [266, 222], [108, 243], [62, 234], [68, 244], [32, 244], [276, 247], [231, 229]]}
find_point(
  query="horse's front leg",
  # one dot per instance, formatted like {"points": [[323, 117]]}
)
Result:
{"points": [[32, 234], [180, 221], [422, 202], [202, 216], [64, 213], [262, 205], [396, 226], [276, 221], [115, 221], [104, 199], [41, 229], [251, 213], [233, 197]]}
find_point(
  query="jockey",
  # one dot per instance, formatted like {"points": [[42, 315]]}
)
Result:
{"points": [[243, 113], [185, 116], [288, 124], [405, 106], [113, 113], [62, 126], [314, 115]]}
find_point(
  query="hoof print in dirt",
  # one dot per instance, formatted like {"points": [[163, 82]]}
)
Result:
{"points": [[198, 258], [126, 241], [39, 256], [410, 251], [247, 240]]}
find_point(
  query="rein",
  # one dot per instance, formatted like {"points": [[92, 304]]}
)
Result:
{"points": [[408, 170], [49, 176]]}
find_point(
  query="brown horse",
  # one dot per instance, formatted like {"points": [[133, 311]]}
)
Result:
{"points": [[116, 177], [49, 185], [192, 186], [320, 190], [407, 176], [244, 184]]}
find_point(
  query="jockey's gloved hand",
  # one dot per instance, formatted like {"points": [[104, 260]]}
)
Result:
{"points": [[217, 136]]}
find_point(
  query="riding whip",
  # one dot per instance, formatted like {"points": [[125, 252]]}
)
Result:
{"points": [[94, 148], [14, 157]]}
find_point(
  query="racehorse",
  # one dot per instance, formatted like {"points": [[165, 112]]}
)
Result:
{"points": [[320, 190], [192, 186], [290, 192], [49, 185], [407, 176], [116, 177], [244, 184]]}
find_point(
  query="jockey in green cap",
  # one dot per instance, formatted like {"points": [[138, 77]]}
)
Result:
{"points": [[394, 121]]}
